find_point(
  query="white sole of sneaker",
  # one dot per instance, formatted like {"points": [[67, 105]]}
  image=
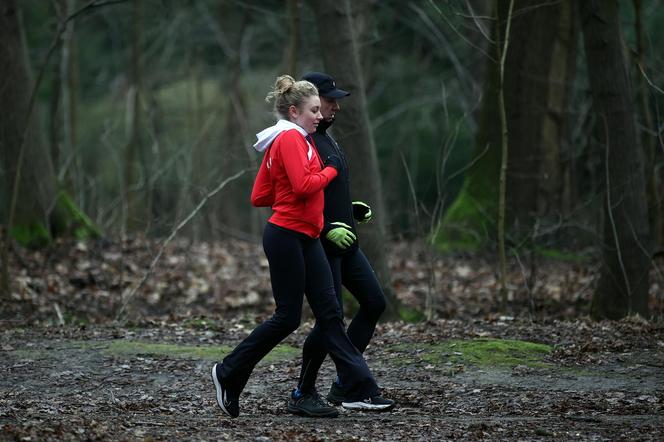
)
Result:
{"points": [[220, 391], [366, 407]]}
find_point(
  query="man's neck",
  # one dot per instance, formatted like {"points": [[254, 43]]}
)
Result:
{"points": [[323, 126]]}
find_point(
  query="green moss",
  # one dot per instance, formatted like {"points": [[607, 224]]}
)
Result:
{"points": [[411, 315], [75, 220], [560, 255], [124, 348], [209, 352], [465, 226], [482, 352], [31, 235], [66, 218]]}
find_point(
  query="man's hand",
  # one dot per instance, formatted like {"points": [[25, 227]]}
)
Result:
{"points": [[361, 212], [341, 236]]}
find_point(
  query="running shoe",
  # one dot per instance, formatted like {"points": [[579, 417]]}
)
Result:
{"points": [[375, 403], [336, 395], [230, 406], [310, 405]]}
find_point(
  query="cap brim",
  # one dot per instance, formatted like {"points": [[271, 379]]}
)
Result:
{"points": [[336, 93]]}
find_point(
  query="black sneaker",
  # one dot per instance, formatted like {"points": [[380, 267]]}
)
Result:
{"points": [[229, 406], [336, 394], [311, 405], [375, 403]]}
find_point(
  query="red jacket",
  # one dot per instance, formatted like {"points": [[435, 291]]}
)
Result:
{"points": [[290, 180]]}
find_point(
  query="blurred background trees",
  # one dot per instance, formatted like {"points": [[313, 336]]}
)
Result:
{"points": [[146, 105]]}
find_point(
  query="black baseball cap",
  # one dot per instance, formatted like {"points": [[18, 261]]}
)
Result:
{"points": [[325, 85]]}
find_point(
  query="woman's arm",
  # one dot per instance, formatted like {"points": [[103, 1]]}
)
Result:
{"points": [[262, 194], [295, 153]]}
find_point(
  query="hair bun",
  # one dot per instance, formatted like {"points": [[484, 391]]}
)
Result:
{"points": [[281, 86]]}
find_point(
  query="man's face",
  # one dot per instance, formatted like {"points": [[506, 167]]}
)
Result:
{"points": [[329, 107]]}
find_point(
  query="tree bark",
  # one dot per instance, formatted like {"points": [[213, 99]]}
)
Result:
{"points": [[353, 131], [655, 195], [37, 183], [135, 209], [535, 97], [622, 288]]}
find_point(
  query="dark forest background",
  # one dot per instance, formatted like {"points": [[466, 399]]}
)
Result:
{"points": [[121, 117]]}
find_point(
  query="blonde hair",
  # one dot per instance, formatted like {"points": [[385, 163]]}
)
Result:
{"points": [[287, 92]]}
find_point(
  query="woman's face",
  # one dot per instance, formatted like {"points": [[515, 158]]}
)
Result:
{"points": [[308, 115]]}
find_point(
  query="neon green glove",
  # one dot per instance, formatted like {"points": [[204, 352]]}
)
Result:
{"points": [[361, 212], [341, 236]]}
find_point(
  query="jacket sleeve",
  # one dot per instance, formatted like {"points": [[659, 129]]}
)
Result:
{"points": [[262, 194], [294, 154]]}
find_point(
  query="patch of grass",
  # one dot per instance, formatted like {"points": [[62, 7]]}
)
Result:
{"points": [[411, 315], [209, 352], [482, 352], [561, 255]]}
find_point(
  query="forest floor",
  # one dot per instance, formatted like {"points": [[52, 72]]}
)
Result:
{"points": [[68, 371], [479, 380]]}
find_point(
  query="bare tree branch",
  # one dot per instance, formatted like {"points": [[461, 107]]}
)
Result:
{"points": [[170, 237]]}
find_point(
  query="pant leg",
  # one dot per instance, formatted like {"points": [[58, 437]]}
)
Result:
{"points": [[314, 349], [359, 278], [284, 252], [319, 288]]}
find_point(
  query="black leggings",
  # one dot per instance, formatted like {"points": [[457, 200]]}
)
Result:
{"points": [[298, 266], [355, 273]]}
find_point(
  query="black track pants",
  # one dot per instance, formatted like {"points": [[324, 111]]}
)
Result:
{"points": [[298, 266], [354, 272]]}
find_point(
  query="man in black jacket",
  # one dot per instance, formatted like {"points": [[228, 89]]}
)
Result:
{"points": [[349, 265]]}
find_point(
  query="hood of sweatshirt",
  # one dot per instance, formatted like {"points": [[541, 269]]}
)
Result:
{"points": [[267, 136]]}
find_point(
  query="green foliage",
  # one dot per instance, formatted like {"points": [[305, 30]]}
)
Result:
{"points": [[562, 255], [465, 226], [67, 218], [75, 220], [32, 235], [411, 315]]}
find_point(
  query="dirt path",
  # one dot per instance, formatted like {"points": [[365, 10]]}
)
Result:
{"points": [[451, 380]]}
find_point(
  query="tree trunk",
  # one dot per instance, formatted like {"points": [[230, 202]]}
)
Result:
{"points": [[655, 195], [135, 210], [534, 101], [622, 288], [235, 152], [538, 65], [294, 43], [353, 131], [37, 182]]}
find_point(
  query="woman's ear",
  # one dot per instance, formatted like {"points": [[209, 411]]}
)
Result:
{"points": [[293, 112]]}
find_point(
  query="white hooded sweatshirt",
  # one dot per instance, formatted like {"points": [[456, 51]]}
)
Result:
{"points": [[267, 136]]}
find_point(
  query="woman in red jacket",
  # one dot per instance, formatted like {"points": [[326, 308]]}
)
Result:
{"points": [[291, 180]]}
